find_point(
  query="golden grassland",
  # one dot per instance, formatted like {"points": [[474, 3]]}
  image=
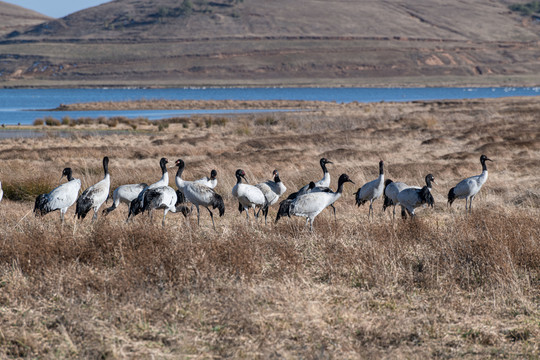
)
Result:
{"points": [[443, 285]]}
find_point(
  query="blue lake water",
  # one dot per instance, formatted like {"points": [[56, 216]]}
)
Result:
{"points": [[25, 105]]}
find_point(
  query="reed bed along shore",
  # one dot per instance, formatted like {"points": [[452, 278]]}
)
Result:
{"points": [[444, 285]]}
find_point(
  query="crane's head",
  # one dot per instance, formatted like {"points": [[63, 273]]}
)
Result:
{"points": [[430, 179], [483, 158], [344, 178], [179, 163], [67, 173], [213, 174], [325, 161], [240, 174]]}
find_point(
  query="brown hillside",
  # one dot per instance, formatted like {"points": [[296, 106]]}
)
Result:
{"points": [[14, 17], [259, 42]]}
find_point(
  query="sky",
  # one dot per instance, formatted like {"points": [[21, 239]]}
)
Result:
{"points": [[56, 8]]}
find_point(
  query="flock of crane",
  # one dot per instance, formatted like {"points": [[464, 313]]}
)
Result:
{"points": [[307, 202]]}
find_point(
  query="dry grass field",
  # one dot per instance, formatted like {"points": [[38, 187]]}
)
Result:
{"points": [[444, 285]]}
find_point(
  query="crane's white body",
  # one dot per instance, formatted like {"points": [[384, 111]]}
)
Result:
{"points": [[161, 197], [311, 204], [98, 193], [1, 192], [392, 191], [60, 198], [206, 181], [63, 196], [324, 182], [201, 195], [272, 190], [95, 195], [249, 196], [411, 198], [371, 191], [469, 187], [125, 194]]}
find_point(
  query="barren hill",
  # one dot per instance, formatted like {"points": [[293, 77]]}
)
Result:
{"points": [[278, 42], [14, 17]]}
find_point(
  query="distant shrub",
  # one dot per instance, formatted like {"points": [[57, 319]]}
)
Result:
{"points": [[66, 120], [38, 122], [266, 121], [526, 9], [50, 121], [26, 190], [221, 121], [113, 122]]}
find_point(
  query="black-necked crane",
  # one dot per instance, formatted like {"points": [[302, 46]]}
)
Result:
{"points": [[325, 181], [162, 197], [469, 187], [411, 198], [60, 198], [272, 190], [249, 196], [124, 194], [372, 190], [137, 204], [211, 181], [198, 193], [311, 204], [202, 195], [95, 195], [391, 191], [284, 205]]}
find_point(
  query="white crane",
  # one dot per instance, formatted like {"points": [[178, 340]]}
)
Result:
{"points": [[249, 196], [391, 191], [124, 194], [469, 187], [372, 190], [137, 204], [272, 190], [311, 204], [211, 181], [95, 195], [411, 198], [60, 198], [162, 197]]}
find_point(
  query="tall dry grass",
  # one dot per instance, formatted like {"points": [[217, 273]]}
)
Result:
{"points": [[444, 285]]}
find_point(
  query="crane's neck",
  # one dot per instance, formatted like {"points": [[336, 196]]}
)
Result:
{"points": [[428, 183], [484, 166], [325, 181], [324, 169], [106, 168], [238, 179], [70, 176]]}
